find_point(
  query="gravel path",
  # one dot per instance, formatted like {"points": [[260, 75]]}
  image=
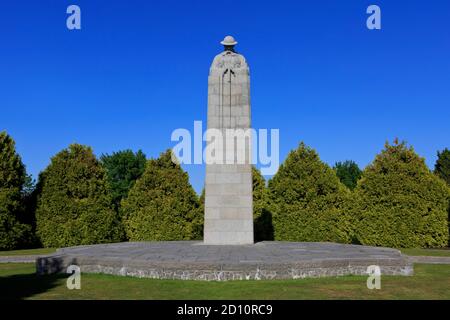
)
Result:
{"points": [[429, 259], [21, 259]]}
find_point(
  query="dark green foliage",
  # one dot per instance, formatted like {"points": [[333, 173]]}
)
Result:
{"points": [[263, 229], [442, 166], [348, 172], [13, 231], [399, 203], [199, 226], [162, 205], [123, 168], [28, 214], [73, 204], [307, 200], [28, 199], [202, 198]]}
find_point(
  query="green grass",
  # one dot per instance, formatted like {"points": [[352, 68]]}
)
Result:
{"points": [[427, 252], [18, 281], [27, 252]]}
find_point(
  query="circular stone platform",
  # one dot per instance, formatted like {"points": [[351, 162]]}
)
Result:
{"points": [[192, 260]]}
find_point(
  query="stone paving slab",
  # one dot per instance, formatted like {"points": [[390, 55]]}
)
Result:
{"points": [[192, 260]]}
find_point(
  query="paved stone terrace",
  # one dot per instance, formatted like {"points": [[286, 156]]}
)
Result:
{"points": [[192, 260]]}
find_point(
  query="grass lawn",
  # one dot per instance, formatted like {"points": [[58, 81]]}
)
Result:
{"points": [[27, 252], [427, 252], [18, 281]]}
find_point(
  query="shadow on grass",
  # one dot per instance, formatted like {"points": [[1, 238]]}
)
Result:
{"points": [[21, 286]]}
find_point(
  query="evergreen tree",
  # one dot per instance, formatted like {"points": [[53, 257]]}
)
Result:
{"points": [[13, 231], [28, 214], [123, 168], [162, 205], [202, 198], [200, 226], [442, 166], [307, 200], [73, 203], [399, 202], [348, 172]]}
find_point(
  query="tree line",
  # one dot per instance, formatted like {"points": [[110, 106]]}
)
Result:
{"points": [[396, 201]]}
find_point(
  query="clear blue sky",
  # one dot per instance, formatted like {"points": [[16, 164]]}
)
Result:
{"points": [[138, 70]]}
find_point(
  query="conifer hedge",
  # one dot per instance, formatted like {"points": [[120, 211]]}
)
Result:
{"points": [[162, 205], [73, 204], [307, 200], [399, 202], [13, 232]]}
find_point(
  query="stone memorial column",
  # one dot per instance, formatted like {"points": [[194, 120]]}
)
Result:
{"points": [[228, 185]]}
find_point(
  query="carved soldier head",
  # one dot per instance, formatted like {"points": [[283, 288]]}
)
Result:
{"points": [[228, 43]]}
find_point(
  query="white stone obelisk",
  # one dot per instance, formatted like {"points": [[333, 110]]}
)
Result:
{"points": [[228, 185]]}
